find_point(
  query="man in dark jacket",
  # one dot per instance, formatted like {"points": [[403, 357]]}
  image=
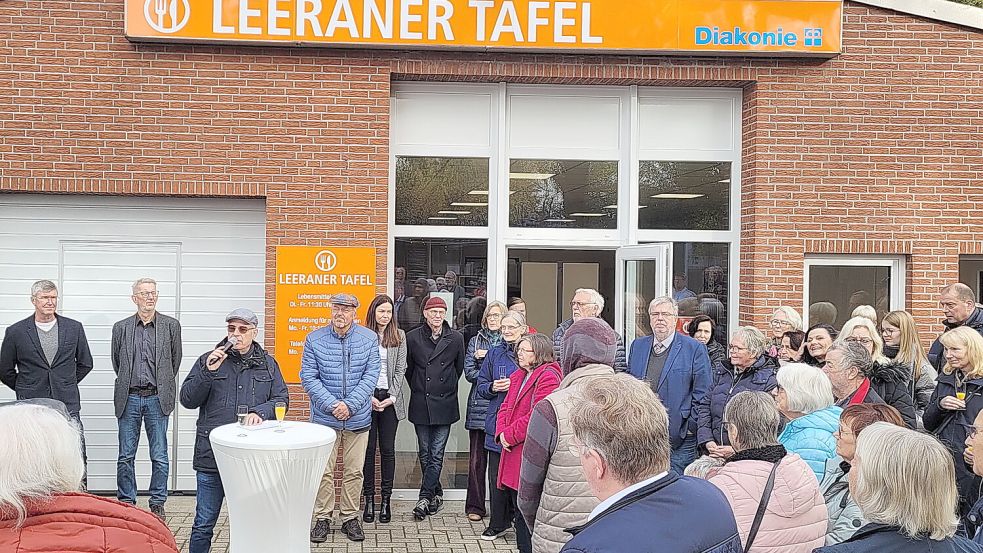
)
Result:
{"points": [[218, 383], [434, 363], [621, 432], [587, 302], [47, 355], [146, 355], [959, 306], [677, 368], [857, 379]]}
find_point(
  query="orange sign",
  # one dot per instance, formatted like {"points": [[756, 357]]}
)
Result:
{"points": [[306, 278], [783, 27]]}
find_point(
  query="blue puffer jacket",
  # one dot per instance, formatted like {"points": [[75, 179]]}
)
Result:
{"points": [[499, 363], [477, 405], [811, 437], [335, 368]]}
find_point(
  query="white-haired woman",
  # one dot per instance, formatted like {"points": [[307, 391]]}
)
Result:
{"points": [[794, 519], [748, 369], [891, 380], [782, 320], [41, 507], [890, 462], [805, 396]]}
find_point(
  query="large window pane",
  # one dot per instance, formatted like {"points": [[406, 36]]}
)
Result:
{"points": [[458, 269], [684, 195], [563, 194], [441, 191], [836, 290], [699, 283]]}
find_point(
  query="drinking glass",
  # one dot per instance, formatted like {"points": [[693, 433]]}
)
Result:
{"points": [[241, 412], [280, 408]]}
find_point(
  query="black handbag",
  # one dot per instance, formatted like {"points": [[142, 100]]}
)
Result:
{"points": [[762, 506]]}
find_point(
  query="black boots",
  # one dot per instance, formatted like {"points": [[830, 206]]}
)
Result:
{"points": [[369, 514], [385, 512]]}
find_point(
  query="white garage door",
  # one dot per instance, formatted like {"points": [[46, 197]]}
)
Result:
{"points": [[207, 255]]}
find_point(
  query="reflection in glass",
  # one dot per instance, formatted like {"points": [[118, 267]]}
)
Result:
{"points": [[684, 195], [563, 194], [836, 290], [699, 283], [441, 191]]}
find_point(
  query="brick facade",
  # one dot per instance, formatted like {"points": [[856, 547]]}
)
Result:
{"points": [[878, 150]]}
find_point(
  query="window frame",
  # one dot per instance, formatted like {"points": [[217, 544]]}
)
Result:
{"points": [[897, 264]]}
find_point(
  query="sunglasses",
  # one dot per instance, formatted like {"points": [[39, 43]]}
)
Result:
{"points": [[241, 329]]}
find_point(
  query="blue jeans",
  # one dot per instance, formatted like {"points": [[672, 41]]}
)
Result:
{"points": [[431, 440], [146, 409], [208, 503], [682, 456]]}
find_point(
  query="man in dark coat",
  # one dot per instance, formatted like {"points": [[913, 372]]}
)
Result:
{"points": [[218, 383], [959, 306], [434, 363], [621, 433], [46, 355]]}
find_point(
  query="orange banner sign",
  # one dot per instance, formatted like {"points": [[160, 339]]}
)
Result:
{"points": [[776, 27], [306, 278]]}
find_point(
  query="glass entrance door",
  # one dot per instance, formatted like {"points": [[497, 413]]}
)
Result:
{"points": [[642, 273]]}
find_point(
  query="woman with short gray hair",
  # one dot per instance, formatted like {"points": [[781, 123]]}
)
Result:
{"points": [[747, 369], [805, 396], [761, 471]]}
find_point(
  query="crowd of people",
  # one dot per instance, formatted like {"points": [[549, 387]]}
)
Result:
{"points": [[819, 439]]}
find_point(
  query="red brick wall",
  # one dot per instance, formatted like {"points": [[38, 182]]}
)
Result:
{"points": [[877, 150]]}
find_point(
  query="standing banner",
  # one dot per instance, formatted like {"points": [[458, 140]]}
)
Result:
{"points": [[306, 278], [772, 27]]}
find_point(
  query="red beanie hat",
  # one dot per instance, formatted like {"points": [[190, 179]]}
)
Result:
{"points": [[434, 303]]}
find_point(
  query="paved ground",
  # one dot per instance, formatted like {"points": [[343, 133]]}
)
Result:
{"points": [[449, 531]]}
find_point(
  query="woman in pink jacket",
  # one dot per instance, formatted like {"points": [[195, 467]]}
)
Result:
{"points": [[538, 377], [795, 519]]}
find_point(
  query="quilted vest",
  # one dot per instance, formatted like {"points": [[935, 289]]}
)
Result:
{"points": [[566, 499]]}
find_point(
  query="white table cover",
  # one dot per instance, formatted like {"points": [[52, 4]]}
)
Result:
{"points": [[271, 480]]}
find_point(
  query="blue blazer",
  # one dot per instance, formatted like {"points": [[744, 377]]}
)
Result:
{"points": [[684, 382]]}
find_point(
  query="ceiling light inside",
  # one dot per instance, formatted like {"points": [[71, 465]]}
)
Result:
{"points": [[612, 206], [724, 181], [469, 204], [449, 212], [442, 218], [674, 196], [478, 192], [559, 220], [531, 176], [588, 214]]}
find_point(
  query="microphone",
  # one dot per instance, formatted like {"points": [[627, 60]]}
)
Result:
{"points": [[228, 345]]}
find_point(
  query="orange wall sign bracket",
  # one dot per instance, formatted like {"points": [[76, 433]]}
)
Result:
{"points": [[306, 278], [741, 27]]}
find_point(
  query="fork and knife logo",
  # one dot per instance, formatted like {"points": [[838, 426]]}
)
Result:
{"points": [[162, 15]]}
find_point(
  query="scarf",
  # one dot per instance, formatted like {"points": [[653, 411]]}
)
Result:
{"points": [[769, 453], [891, 351]]}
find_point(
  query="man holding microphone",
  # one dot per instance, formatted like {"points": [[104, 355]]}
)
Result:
{"points": [[238, 372]]}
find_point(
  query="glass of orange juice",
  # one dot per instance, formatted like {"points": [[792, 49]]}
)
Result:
{"points": [[961, 396], [280, 408]]}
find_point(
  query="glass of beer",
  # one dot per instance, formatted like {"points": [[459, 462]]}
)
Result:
{"points": [[280, 408], [960, 395], [242, 411]]}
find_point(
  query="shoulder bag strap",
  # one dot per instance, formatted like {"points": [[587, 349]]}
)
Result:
{"points": [[762, 506]]}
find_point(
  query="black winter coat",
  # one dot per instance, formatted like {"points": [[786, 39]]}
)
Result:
{"points": [[432, 371], [880, 538], [892, 382], [948, 426], [936, 354], [759, 377]]}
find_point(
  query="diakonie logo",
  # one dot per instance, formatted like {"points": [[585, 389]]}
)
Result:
{"points": [[162, 15]]}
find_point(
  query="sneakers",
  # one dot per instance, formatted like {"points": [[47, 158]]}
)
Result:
{"points": [[491, 535], [422, 509], [158, 511], [319, 534], [353, 530], [436, 504]]}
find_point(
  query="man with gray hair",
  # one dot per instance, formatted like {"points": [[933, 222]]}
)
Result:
{"points": [[586, 302], [46, 355], [958, 303], [677, 368], [621, 436], [146, 355], [846, 366]]}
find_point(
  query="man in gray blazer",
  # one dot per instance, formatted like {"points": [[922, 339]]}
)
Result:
{"points": [[146, 353], [47, 355]]}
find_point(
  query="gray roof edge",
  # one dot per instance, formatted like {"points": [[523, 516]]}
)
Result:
{"points": [[939, 10]]}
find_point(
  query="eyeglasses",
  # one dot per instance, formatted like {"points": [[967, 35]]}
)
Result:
{"points": [[864, 341], [146, 295], [661, 314], [890, 331], [971, 430], [241, 329], [839, 432], [494, 317], [45, 299], [510, 328], [581, 303], [342, 308], [780, 322], [525, 350], [737, 348], [578, 449]]}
